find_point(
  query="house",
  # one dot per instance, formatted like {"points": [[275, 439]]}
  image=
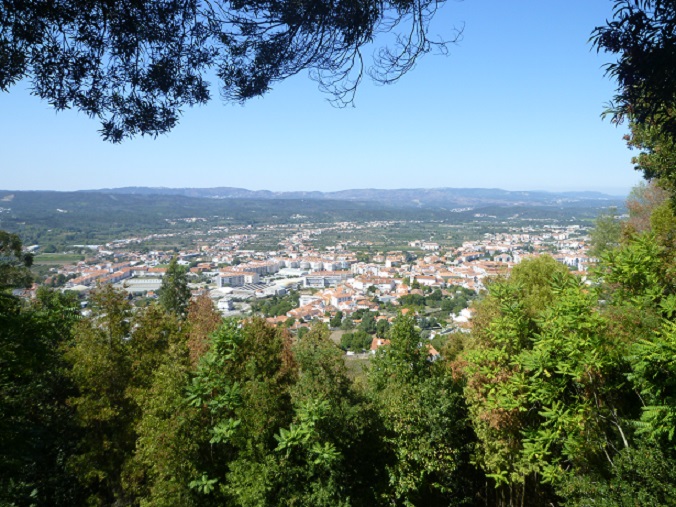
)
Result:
{"points": [[341, 296], [377, 343]]}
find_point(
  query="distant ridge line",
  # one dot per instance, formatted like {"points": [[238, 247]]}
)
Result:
{"points": [[416, 197]]}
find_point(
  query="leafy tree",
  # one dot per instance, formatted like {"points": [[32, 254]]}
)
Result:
{"points": [[328, 455], [641, 34], [533, 278], [643, 199], [435, 295], [154, 331], [136, 68], [337, 319], [101, 369], [174, 292], [427, 439], [346, 341], [412, 300], [427, 323], [166, 453], [347, 324], [546, 385], [657, 153], [276, 306], [359, 340], [37, 428], [606, 233], [242, 390], [456, 303], [641, 475], [639, 275], [14, 263], [654, 377], [382, 328], [663, 225], [203, 319], [114, 357], [368, 323]]}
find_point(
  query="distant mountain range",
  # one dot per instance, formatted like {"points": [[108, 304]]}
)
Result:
{"points": [[412, 197]]}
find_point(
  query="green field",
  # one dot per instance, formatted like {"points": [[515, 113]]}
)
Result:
{"points": [[57, 259]]}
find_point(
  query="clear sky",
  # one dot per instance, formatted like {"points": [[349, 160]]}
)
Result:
{"points": [[515, 105]]}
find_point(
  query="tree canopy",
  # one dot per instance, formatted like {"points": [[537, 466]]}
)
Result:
{"points": [[135, 64], [643, 34], [174, 293], [14, 263]]}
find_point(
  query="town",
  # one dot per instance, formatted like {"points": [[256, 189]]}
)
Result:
{"points": [[334, 282]]}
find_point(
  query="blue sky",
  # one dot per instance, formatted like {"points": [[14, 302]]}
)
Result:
{"points": [[515, 105]]}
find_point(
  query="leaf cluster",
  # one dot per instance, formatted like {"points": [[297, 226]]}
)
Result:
{"points": [[136, 65]]}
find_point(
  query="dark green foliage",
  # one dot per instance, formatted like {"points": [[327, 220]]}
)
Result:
{"points": [[242, 390], [368, 323], [114, 357], [174, 293], [347, 324], [641, 33], [412, 300], [14, 263], [534, 277], [640, 274], [168, 432], [357, 341], [276, 305], [329, 453], [657, 150], [427, 323], [428, 438], [136, 68], [382, 328], [337, 319], [642, 475], [101, 369], [459, 299], [545, 378], [654, 377], [37, 428]]}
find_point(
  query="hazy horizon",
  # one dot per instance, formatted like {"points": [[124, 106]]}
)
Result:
{"points": [[611, 191]]}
